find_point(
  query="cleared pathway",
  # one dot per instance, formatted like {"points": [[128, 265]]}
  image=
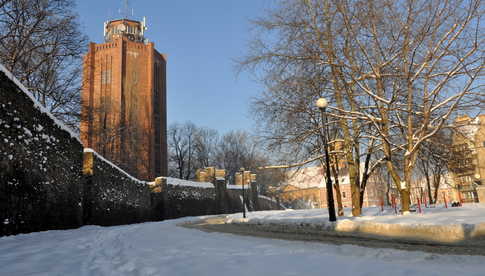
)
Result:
{"points": [[163, 248]]}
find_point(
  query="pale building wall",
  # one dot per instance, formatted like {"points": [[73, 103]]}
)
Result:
{"points": [[468, 161], [309, 184]]}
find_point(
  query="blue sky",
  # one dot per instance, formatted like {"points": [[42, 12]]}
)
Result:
{"points": [[201, 39]]}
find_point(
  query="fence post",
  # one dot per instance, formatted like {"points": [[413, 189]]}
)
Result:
{"points": [[88, 173]]}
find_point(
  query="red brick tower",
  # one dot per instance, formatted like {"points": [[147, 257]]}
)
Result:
{"points": [[124, 100]]}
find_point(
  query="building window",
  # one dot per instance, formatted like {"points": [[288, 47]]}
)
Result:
{"points": [[106, 77], [343, 194], [157, 118]]}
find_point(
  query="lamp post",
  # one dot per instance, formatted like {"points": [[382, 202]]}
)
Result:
{"points": [[243, 196], [322, 104]]}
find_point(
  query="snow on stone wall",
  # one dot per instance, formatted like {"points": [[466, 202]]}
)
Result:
{"points": [[41, 185], [237, 187], [186, 200], [99, 156], [21, 89], [182, 182], [40, 164], [116, 197]]}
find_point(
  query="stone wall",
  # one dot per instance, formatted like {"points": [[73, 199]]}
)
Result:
{"points": [[40, 179], [190, 201], [113, 197], [266, 203], [41, 184], [180, 198]]}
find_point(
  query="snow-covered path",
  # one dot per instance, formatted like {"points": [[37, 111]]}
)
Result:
{"points": [[162, 248]]}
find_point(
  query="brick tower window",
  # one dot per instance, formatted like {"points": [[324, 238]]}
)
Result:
{"points": [[106, 77]]}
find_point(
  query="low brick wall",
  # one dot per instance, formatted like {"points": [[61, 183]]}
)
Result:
{"points": [[176, 198]]}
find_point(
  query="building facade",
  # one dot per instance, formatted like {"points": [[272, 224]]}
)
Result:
{"points": [[467, 162], [307, 187], [124, 100]]}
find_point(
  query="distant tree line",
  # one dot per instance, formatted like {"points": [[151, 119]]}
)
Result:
{"points": [[192, 147]]}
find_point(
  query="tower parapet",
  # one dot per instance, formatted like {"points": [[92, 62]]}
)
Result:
{"points": [[131, 29]]}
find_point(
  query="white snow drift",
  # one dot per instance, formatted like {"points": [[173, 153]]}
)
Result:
{"points": [[162, 248]]}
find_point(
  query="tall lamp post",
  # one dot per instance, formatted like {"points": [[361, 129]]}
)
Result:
{"points": [[322, 104], [243, 196]]}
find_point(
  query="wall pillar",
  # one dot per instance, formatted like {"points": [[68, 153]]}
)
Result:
{"points": [[221, 195], [159, 199], [88, 173], [254, 196]]}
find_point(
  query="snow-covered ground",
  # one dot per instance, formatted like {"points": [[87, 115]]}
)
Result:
{"points": [[163, 248], [467, 214]]}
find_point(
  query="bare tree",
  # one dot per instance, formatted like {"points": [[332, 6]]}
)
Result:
{"points": [[295, 69], [238, 149], [192, 147], [181, 141], [402, 68], [206, 141], [433, 162], [41, 44]]}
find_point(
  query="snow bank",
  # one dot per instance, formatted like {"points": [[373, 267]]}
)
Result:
{"points": [[444, 225]]}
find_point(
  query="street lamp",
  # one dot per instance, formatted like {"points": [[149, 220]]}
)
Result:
{"points": [[322, 104], [243, 196]]}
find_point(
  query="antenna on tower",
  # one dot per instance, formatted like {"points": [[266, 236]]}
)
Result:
{"points": [[125, 11]]}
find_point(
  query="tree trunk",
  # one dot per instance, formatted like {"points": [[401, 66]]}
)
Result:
{"points": [[436, 184], [405, 200], [365, 174], [362, 190], [388, 189], [405, 191], [429, 189]]}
